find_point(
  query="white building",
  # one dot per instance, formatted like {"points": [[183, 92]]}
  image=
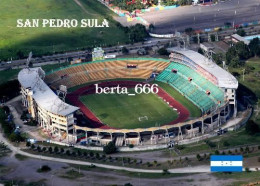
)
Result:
{"points": [[52, 114]]}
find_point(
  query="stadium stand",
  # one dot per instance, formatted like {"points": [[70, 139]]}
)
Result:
{"points": [[106, 69], [192, 85]]}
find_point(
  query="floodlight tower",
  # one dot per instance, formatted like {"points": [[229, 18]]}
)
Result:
{"points": [[243, 74], [62, 92], [28, 60], [198, 35]]}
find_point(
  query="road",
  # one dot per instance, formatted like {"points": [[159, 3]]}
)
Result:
{"points": [[197, 169], [62, 57], [201, 17]]}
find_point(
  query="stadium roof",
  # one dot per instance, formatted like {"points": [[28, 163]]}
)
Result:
{"points": [[225, 79], [42, 94]]}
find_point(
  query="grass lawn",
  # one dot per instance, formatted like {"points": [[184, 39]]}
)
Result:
{"points": [[49, 40], [123, 111], [251, 77], [240, 177], [252, 80], [11, 74], [20, 157]]}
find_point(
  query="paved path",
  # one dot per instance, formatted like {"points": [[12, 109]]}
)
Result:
{"points": [[196, 169]]}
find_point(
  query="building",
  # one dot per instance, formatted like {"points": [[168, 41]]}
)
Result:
{"points": [[53, 115], [98, 54], [237, 38], [210, 70]]}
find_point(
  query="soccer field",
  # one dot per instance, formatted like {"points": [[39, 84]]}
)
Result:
{"points": [[128, 112], [18, 42]]}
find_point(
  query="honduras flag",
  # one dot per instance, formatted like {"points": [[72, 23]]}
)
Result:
{"points": [[226, 163]]}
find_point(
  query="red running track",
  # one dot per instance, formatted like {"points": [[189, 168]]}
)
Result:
{"points": [[90, 89]]}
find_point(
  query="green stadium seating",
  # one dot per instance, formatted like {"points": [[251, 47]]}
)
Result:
{"points": [[194, 90]]}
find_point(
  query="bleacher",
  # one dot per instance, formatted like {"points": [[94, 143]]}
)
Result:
{"points": [[196, 89], [102, 70]]}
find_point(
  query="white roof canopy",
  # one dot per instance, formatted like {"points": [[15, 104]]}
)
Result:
{"points": [[42, 94], [225, 79]]}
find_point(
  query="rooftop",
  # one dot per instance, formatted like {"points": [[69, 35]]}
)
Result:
{"points": [[225, 79], [42, 94]]}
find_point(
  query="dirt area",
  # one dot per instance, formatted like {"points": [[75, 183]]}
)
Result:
{"points": [[27, 170]]}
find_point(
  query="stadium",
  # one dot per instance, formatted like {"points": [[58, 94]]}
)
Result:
{"points": [[194, 97]]}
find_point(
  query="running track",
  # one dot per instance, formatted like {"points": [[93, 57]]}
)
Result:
{"points": [[90, 89]]}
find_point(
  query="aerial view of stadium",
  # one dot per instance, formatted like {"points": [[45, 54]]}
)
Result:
{"points": [[129, 92]]}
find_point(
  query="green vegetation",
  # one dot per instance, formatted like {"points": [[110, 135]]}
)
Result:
{"points": [[231, 139], [109, 148], [72, 174], [20, 157], [137, 5], [237, 54], [4, 150], [240, 177], [7, 75], [194, 110], [252, 128], [123, 111], [11, 74], [163, 52], [18, 42], [241, 32], [7, 127], [44, 168]]}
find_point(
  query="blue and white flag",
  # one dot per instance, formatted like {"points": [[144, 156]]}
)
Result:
{"points": [[226, 163]]}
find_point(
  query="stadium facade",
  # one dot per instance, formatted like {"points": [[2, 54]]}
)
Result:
{"points": [[52, 113], [208, 86]]}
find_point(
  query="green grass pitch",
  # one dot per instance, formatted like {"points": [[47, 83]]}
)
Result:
{"points": [[123, 111]]}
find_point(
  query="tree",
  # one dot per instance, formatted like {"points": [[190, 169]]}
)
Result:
{"points": [[151, 28], [67, 152], [242, 50], [20, 54], [212, 38], [32, 146], [50, 149], [97, 155], [56, 149], [241, 32], [79, 153], [254, 47], [226, 143], [137, 33], [200, 51], [28, 144], [125, 50], [163, 52], [109, 148], [43, 149], [15, 137], [165, 171], [38, 148], [252, 128], [235, 62], [188, 31], [218, 58], [198, 157]]}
